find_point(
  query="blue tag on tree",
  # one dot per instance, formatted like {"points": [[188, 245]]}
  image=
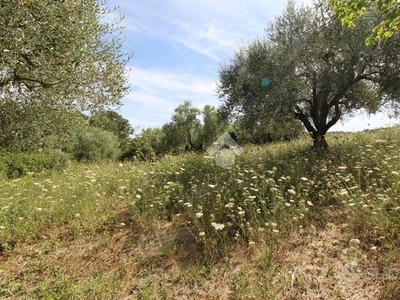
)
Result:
{"points": [[265, 82]]}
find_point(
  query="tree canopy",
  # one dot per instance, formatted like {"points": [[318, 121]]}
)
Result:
{"points": [[349, 11], [318, 71], [58, 56]]}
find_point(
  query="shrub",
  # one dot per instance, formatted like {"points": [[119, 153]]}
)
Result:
{"points": [[94, 144], [15, 165]]}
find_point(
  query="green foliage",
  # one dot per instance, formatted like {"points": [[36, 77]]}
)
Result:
{"points": [[182, 133], [190, 129], [149, 144], [93, 144], [384, 28], [56, 57], [265, 130], [318, 69], [213, 125], [113, 122], [15, 165]]}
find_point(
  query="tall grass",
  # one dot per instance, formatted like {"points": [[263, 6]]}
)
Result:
{"points": [[267, 194]]}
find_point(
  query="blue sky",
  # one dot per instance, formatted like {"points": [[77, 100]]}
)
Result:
{"points": [[177, 48]]}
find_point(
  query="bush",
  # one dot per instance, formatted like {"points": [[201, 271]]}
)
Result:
{"points": [[15, 165], [94, 144]]}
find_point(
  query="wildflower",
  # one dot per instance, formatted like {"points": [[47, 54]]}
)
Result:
{"points": [[343, 192], [274, 224], [2, 227], [395, 173], [310, 203], [291, 191], [354, 243], [273, 189], [122, 224], [77, 215], [199, 215], [39, 209], [342, 168], [218, 226], [138, 196], [275, 230], [304, 179], [202, 233], [229, 205], [212, 185], [241, 213], [287, 204], [188, 204]]}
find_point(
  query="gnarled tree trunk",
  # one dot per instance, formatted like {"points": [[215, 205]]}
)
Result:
{"points": [[320, 127]]}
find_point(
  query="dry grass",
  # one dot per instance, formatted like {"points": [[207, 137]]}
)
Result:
{"points": [[165, 264]]}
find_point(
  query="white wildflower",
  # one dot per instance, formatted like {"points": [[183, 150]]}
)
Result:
{"points": [[199, 215], [218, 226]]}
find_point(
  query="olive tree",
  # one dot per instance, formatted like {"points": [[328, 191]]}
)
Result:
{"points": [[58, 56], [317, 71]]}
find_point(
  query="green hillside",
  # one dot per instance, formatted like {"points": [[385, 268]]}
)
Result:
{"points": [[281, 223]]}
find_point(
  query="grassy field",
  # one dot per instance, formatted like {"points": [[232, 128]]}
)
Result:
{"points": [[281, 223]]}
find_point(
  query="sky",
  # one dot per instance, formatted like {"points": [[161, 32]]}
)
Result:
{"points": [[178, 47]]}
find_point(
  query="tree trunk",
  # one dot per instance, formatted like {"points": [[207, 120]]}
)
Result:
{"points": [[320, 144]]}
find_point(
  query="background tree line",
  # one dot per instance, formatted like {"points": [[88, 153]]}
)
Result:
{"points": [[62, 75]]}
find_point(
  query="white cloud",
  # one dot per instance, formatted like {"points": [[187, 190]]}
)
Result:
{"points": [[156, 93], [211, 28], [151, 80]]}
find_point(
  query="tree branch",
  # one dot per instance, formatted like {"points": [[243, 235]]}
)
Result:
{"points": [[41, 82], [299, 114], [335, 118]]}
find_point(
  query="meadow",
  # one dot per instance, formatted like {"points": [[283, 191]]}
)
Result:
{"points": [[281, 223]]}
